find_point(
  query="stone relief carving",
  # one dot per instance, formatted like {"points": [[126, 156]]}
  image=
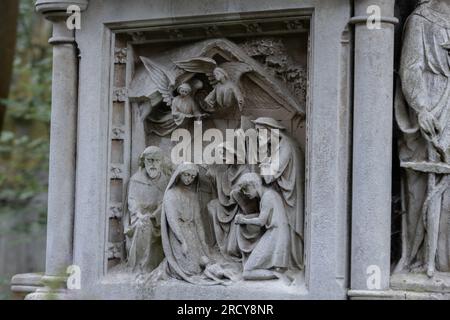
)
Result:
{"points": [[120, 55], [256, 219], [219, 223], [266, 247], [143, 214], [184, 233], [423, 116], [225, 80], [223, 210], [284, 175], [219, 73], [272, 53]]}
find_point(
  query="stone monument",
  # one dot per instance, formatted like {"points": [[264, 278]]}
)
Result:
{"points": [[244, 149]]}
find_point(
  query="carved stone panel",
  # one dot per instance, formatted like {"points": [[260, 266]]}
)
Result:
{"points": [[235, 84]]}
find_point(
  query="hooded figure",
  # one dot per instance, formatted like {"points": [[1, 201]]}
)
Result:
{"points": [[183, 231], [228, 203], [285, 171], [423, 115]]}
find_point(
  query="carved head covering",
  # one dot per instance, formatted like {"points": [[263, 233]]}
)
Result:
{"points": [[150, 151], [183, 167], [222, 72], [185, 86], [269, 122], [250, 178]]}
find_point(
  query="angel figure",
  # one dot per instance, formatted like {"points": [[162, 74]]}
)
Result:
{"points": [[183, 105], [224, 78]]}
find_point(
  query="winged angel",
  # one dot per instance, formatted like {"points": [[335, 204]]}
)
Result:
{"points": [[183, 105], [225, 80]]}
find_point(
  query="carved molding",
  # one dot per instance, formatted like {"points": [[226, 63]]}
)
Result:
{"points": [[114, 250], [116, 171], [243, 27], [120, 94], [116, 210], [118, 133], [120, 55]]}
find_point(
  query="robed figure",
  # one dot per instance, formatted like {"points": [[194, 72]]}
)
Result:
{"points": [[183, 230], [143, 213], [423, 116], [284, 171]]}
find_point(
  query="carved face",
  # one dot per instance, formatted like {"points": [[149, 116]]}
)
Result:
{"points": [[184, 90], [153, 165], [250, 190], [219, 75], [187, 177]]}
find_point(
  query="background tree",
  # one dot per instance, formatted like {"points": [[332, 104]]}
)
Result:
{"points": [[24, 143], [9, 12]]}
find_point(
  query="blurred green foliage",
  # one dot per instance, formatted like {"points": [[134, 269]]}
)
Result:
{"points": [[24, 142]]}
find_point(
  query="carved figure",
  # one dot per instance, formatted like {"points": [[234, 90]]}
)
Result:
{"points": [[184, 105], [271, 252], [224, 78], [284, 170], [143, 214], [423, 115], [224, 208], [183, 232]]}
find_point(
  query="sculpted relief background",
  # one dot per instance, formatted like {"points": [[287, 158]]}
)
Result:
{"points": [[422, 112], [209, 223]]}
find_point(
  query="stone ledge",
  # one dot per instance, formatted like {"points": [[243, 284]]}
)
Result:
{"points": [[396, 295], [419, 282]]}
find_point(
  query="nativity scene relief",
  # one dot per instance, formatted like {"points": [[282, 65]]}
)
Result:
{"points": [[241, 216]]}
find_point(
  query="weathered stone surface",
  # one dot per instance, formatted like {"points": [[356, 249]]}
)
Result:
{"points": [[419, 282], [145, 69], [423, 116]]}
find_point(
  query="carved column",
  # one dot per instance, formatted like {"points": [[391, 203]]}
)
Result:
{"points": [[61, 193], [372, 147]]}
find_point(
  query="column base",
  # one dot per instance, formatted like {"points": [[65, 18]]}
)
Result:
{"points": [[25, 283], [53, 288], [47, 293]]}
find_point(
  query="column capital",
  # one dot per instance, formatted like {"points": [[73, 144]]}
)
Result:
{"points": [[386, 6], [55, 8]]}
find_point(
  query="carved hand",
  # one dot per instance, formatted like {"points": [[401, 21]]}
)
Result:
{"points": [[240, 219], [428, 123]]}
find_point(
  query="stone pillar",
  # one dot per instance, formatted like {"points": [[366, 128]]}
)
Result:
{"points": [[61, 193], [372, 147]]}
